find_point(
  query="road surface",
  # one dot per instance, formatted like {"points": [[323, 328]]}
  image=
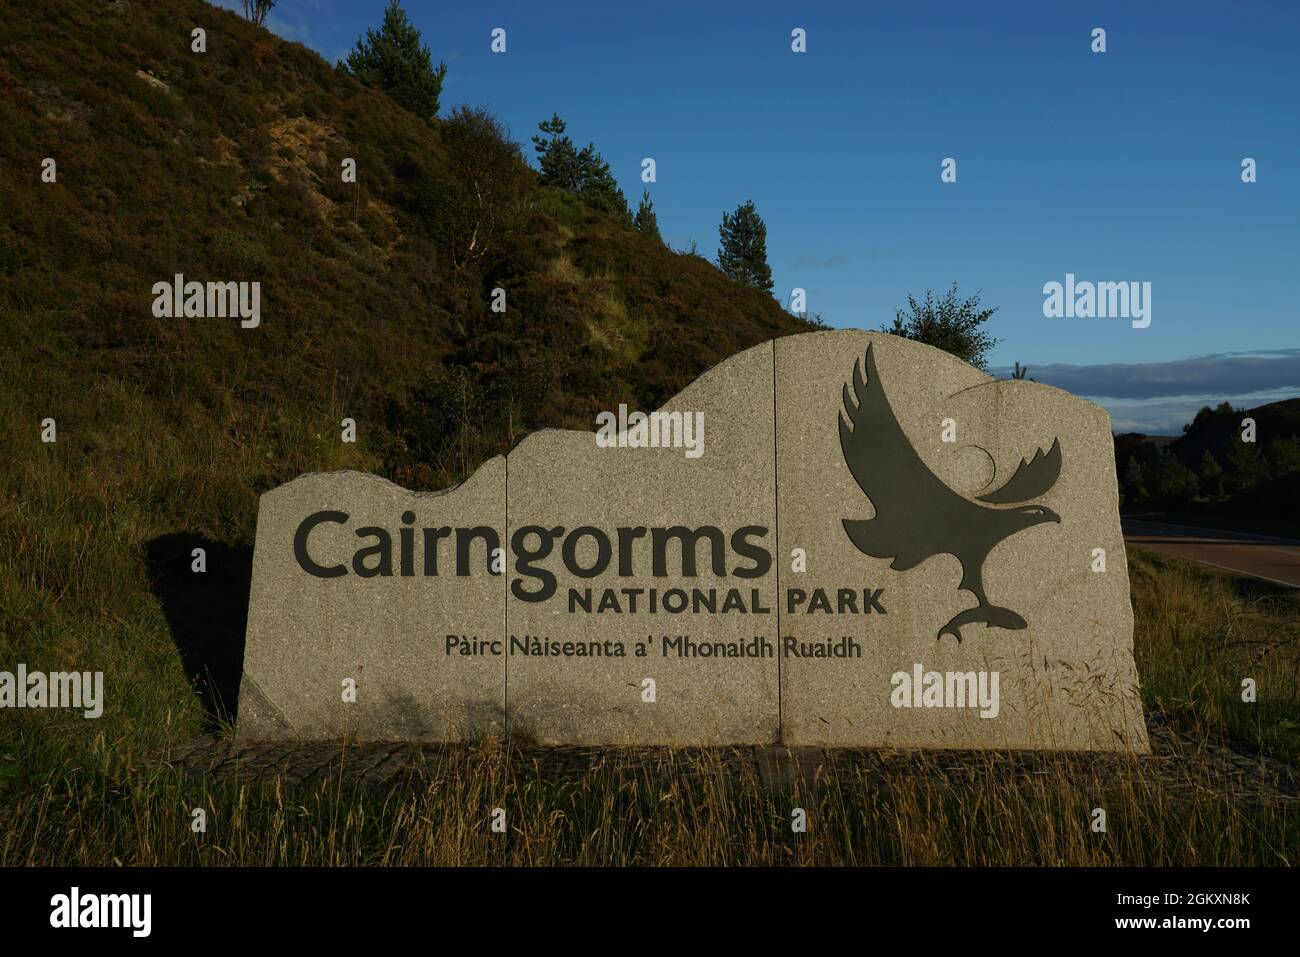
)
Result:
{"points": [[1275, 560]]}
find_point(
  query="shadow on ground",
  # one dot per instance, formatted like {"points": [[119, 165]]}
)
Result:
{"points": [[207, 613]]}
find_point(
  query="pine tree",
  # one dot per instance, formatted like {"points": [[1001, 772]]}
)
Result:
{"points": [[646, 222], [599, 188], [1246, 466], [1202, 419], [743, 253], [1211, 475], [556, 155], [395, 61], [582, 172], [1135, 490], [1284, 455], [1171, 482]]}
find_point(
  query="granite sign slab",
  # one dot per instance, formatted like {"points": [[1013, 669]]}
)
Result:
{"points": [[838, 538], [980, 512], [655, 567], [364, 597]]}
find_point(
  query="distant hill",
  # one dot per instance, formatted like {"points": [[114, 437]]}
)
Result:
{"points": [[1213, 433], [1175, 482]]}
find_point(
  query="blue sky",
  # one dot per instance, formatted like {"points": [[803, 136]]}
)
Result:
{"points": [[1120, 166]]}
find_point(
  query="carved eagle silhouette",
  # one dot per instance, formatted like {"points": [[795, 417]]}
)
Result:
{"points": [[917, 515]]}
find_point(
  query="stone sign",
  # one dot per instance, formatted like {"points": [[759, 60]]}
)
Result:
{"points": [[353, 580], [837, 538]]}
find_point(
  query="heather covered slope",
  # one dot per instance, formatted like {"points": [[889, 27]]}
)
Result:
{"points": [[232, 172], [225, 165]]}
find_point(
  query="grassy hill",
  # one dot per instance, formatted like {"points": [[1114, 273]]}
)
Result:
{"points": [[226, 165]]}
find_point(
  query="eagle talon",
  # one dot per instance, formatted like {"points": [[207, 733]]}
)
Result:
{"points": [[993, 616]]}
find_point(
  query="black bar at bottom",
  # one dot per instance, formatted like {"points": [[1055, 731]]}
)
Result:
{"points": [[335, 906]]}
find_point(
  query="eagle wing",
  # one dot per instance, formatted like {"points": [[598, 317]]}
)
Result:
{"points": [[1031, 479], [913, 506]]}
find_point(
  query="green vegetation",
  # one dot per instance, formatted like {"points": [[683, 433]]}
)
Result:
{"points": [[645, 220], [743, 253], [1211, 475], [1198, 633], [582, 172], [481, 209], [372, 291], [948, 323], [393, 59]]}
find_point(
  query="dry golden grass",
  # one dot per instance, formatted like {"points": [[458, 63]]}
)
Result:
{"points": [[95, 793], [681, 809], [1199, 633], [561, 268]]}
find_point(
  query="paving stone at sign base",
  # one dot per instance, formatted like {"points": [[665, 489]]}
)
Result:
{"points": [[714, 674], [388, 633], [883, 504]]}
